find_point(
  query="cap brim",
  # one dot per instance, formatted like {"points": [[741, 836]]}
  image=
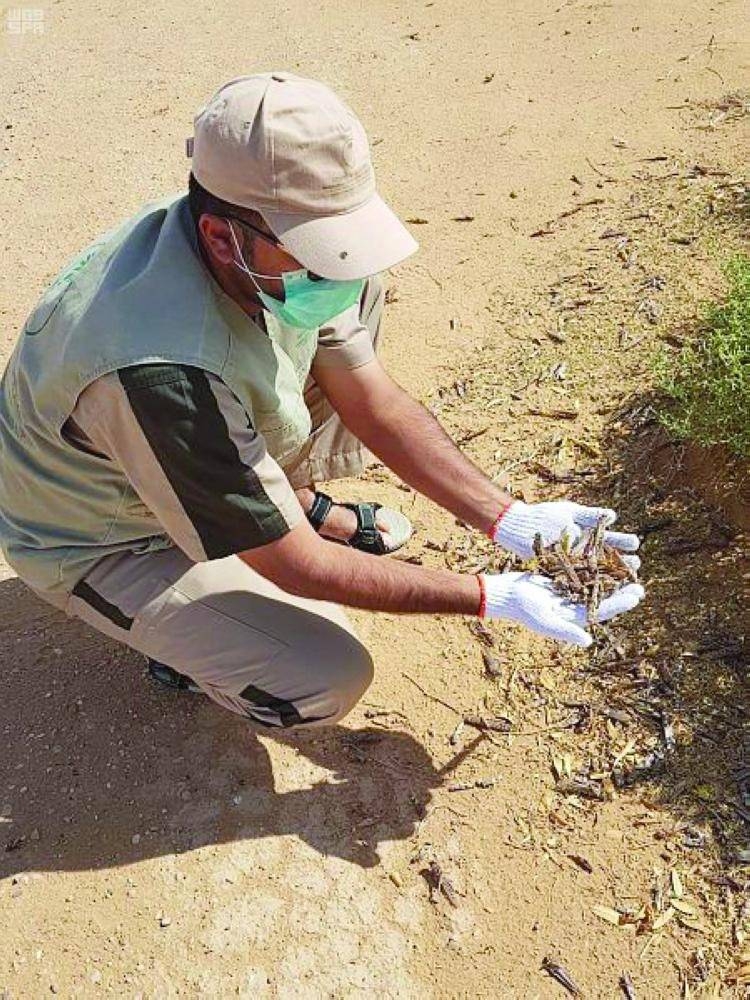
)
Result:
{"points": [[356, 244]]}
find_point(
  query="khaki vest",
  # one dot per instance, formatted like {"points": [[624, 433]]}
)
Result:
{"points": [[140, 294]]}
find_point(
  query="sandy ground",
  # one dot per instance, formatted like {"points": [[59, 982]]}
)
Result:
{"points": [[154, 846]]}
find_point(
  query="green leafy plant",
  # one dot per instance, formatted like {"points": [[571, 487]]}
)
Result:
{"points": [[707, 384]]}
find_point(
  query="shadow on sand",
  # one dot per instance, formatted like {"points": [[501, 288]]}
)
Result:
{"points": [[102, 768]]}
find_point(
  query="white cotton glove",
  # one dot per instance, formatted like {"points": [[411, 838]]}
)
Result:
{"points": [[532, 601], [517, 526]]}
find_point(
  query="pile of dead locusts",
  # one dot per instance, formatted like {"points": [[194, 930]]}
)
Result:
{"points": [[586, 572]]}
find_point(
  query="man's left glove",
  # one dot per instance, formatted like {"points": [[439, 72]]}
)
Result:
{"points": [[532, 601], [517, 526]]}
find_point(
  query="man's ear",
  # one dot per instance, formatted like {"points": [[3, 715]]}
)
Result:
{"points": [[217, 239]]}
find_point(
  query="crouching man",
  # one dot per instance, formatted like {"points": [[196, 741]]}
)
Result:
{"points": [[184, 384]]}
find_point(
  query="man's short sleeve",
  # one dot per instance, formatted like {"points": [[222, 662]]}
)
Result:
{"points": [[344, 342], [188, 447]]}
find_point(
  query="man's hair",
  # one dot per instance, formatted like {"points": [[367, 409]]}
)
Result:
{"points": [[202, 202]]}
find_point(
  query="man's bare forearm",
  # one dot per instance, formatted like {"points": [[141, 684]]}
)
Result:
{"points": [[411, 442], [322, 570]]}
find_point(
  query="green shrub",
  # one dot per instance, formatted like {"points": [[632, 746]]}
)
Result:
{"points": [[708, 382]]}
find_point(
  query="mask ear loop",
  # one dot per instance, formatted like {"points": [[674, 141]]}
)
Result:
{"points": [[243, 266]]}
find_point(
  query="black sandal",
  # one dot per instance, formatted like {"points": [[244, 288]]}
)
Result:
{"points": [[170, 677], [367, 537]]}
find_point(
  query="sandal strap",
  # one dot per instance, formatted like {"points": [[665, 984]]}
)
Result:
{"points": [[367, 537], [320, 510]]}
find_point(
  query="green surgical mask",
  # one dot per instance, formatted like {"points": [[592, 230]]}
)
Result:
{"points": [[307, 304]]}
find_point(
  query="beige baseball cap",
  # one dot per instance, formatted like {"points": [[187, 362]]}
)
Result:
{"points": [[289, 148]]}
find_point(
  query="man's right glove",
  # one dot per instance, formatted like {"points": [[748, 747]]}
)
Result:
{"points": [[532, 600]]}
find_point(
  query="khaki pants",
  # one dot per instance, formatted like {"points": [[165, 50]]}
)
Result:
{"points": [[279, 660]]}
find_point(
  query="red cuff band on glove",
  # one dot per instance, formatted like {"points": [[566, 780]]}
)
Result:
{"points": [[482, 597], [498, 519]]}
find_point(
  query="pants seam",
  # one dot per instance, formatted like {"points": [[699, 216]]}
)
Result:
{"points": [[231, 618]]}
